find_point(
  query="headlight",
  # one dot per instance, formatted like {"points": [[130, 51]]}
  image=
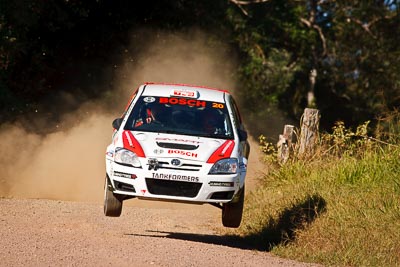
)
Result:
{"points": [[225, 166], [127, 157]]}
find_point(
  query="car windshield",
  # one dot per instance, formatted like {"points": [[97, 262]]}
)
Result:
{"points": [[180, 116]]}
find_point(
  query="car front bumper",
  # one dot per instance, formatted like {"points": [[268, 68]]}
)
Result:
{"points": [[174, 185]]}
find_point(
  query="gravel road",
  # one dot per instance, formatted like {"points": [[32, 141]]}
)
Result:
{"points": [[36, 231]]}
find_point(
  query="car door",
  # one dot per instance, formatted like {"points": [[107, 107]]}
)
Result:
{"points": [[244, 146]]}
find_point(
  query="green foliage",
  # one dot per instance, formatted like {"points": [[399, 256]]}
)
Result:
{"points": [[352, 45], [267, 51], [341, 208], [364, 71], [49, 46], [269, 150], [270, 74], [388, 127], [343, 140]]}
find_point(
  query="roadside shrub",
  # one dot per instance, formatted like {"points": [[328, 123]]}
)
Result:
{"points": [[341, 207]]}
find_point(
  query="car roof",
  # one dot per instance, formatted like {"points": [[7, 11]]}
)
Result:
{"points": [[184, 90]]}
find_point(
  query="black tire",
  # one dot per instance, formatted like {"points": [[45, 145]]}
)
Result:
{"points": [[112, 202], [232, 212]]}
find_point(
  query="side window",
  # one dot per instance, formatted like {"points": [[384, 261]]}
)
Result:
{"points": [[236, 115]]}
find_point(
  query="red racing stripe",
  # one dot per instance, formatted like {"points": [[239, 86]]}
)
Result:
{"points": [[132, 144], [224, 151]]}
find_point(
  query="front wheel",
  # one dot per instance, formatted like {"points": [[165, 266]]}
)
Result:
{"points": [[112, 202], [232, 212]]}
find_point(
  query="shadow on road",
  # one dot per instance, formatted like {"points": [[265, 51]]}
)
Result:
{"points": [[282, 231], [276, 232], [224, 240]]}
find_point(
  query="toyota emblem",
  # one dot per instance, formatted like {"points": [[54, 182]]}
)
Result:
{"points": [[176, 162]]}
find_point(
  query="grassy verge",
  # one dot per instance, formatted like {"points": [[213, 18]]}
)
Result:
{"points": [[342, 208]]}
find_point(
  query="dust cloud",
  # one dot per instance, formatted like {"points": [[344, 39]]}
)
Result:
{"points": [[63, 165], [191, 58], [69, 164]]}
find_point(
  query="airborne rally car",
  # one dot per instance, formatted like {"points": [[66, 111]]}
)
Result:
{"points": [[178, 143]]}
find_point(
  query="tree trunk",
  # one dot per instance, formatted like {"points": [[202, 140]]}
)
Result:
{"points": [[285, 144], [309, 132], [311, 95]]}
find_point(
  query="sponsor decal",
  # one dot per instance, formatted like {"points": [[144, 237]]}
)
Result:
{"points": [[217, 105], [182, 101], [153, 164], [185, 93], [176, 140], [149, 99], [143, 191], [176, 177], [182, 153], [125, 175], [158, 151], [226, 184]]}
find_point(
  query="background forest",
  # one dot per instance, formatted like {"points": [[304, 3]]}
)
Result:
{"points": [[67, 65], [342, 57]]}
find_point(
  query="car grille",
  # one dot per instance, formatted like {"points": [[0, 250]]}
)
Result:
{"points": [[172, 188], [183, 167]]}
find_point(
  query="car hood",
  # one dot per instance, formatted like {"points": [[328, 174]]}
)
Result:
{"points": [[160, 145]]}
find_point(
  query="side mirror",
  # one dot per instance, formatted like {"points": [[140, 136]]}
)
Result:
{"points": [[242, 135], [117, 123]]}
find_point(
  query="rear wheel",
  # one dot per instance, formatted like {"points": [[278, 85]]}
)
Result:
{"points": [[112, 202], [232, 212]]}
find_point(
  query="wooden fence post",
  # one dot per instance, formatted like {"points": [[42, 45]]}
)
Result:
{"points": [[309, 132], [285, 144]]}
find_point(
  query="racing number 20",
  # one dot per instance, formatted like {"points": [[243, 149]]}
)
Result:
{"points": [[217, 105]]}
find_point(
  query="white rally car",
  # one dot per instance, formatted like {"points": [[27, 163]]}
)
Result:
{"points": [[178, 143]]}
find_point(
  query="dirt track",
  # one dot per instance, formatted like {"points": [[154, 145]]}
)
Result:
{"points": [[61, 233], [40, 232]]}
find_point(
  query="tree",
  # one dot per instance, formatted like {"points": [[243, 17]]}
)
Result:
{"points": [[49, 47], [342, 56]]}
